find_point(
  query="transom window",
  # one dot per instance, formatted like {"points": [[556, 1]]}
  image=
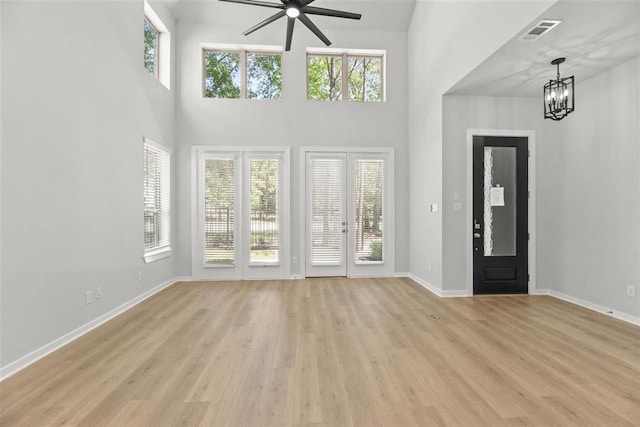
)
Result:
{"points": [[242, 74], [157, 46], [359, 75], [151, 39]]}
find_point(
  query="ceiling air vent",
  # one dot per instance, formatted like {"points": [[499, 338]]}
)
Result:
{"points": [[541, 28]]}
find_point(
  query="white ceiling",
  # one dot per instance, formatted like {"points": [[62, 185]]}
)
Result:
{"points": [[594, 36], [377, 15]]}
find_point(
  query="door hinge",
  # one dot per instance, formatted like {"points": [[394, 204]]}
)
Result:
{"points": [[528, 153], [528, 236], [528, 194], [528, 277]]}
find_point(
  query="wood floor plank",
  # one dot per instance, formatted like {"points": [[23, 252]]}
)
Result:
{"points": [[336, 352]]}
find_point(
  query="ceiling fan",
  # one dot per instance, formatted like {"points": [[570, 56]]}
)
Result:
{"points": [[295, 9]]}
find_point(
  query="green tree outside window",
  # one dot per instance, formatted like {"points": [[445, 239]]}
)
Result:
{"points": [[151, 36]]}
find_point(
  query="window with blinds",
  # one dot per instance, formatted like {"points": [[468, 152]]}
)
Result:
{"points": [[264, 215], [327, 216], [219, 211], [157, 201], [368, 198]]}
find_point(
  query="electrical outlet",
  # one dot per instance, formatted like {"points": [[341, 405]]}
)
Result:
{"points": [[631, 291], [88, 297], [98, 292], [139, 276]]}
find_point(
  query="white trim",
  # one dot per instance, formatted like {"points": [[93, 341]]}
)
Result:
{"points": [[541, 292], [353, 52], [531, 136], [634, 320], [29, 359], [428, 286], [157, 254], [164, 45], [157, 145], [242, 47]]}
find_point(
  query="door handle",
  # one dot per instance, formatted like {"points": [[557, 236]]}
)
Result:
{"points": [[477, 235]]}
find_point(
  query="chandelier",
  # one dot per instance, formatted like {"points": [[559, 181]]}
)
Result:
{"points": [[558, 95]]}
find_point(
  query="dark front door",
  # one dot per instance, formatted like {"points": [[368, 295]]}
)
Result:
{"points": [[500, 207]]}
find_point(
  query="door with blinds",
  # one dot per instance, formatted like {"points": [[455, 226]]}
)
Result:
{"points": [[348, 214], [241, 215]]}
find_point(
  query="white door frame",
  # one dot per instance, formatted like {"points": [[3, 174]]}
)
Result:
{"points": [[388, 268], [531, 136]]}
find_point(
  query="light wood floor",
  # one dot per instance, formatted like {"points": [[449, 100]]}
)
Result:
{"points": [[336, 352]]}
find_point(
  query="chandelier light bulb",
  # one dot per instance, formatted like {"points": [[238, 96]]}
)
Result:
{"points": [[293, 12]]}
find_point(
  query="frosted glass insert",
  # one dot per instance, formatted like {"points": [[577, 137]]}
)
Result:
{"points": [[499, 201]]}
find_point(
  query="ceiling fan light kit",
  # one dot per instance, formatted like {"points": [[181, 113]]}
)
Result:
{"points": [[295, 9], [558, 95]]}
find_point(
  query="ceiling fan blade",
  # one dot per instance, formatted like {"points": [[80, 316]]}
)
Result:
{"points": [[331, 12], [257, 3], [315, 30], [290, 24], [303, 3], [267, 21]]}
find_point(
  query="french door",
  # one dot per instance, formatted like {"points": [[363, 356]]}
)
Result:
{"points": [[241, 211], [348, 214]]}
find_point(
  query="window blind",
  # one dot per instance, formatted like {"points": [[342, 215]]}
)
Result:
{"points": [[265, 213], [327, 193], [368, 208], [219, 211], [157, 198]]}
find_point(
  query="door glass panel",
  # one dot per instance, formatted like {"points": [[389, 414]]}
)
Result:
{"points": [[499, 201], [327, 183], [264, 216], [368, 229], [219, 215]]}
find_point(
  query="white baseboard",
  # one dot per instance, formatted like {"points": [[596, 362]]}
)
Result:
{"points": [[18, 365], [455, 293], [428, 286], [541, 292], [595, 307]]}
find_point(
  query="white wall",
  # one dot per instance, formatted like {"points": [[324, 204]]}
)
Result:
{"points": [[589, 227], [293, 121], [446, 41], [76, 102], [476, 112], [587, 187]]}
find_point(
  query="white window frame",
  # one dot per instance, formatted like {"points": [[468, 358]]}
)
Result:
{"points": [[346, 54], [162, 250], [163, 60], [242, 268], [243, 51]]}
